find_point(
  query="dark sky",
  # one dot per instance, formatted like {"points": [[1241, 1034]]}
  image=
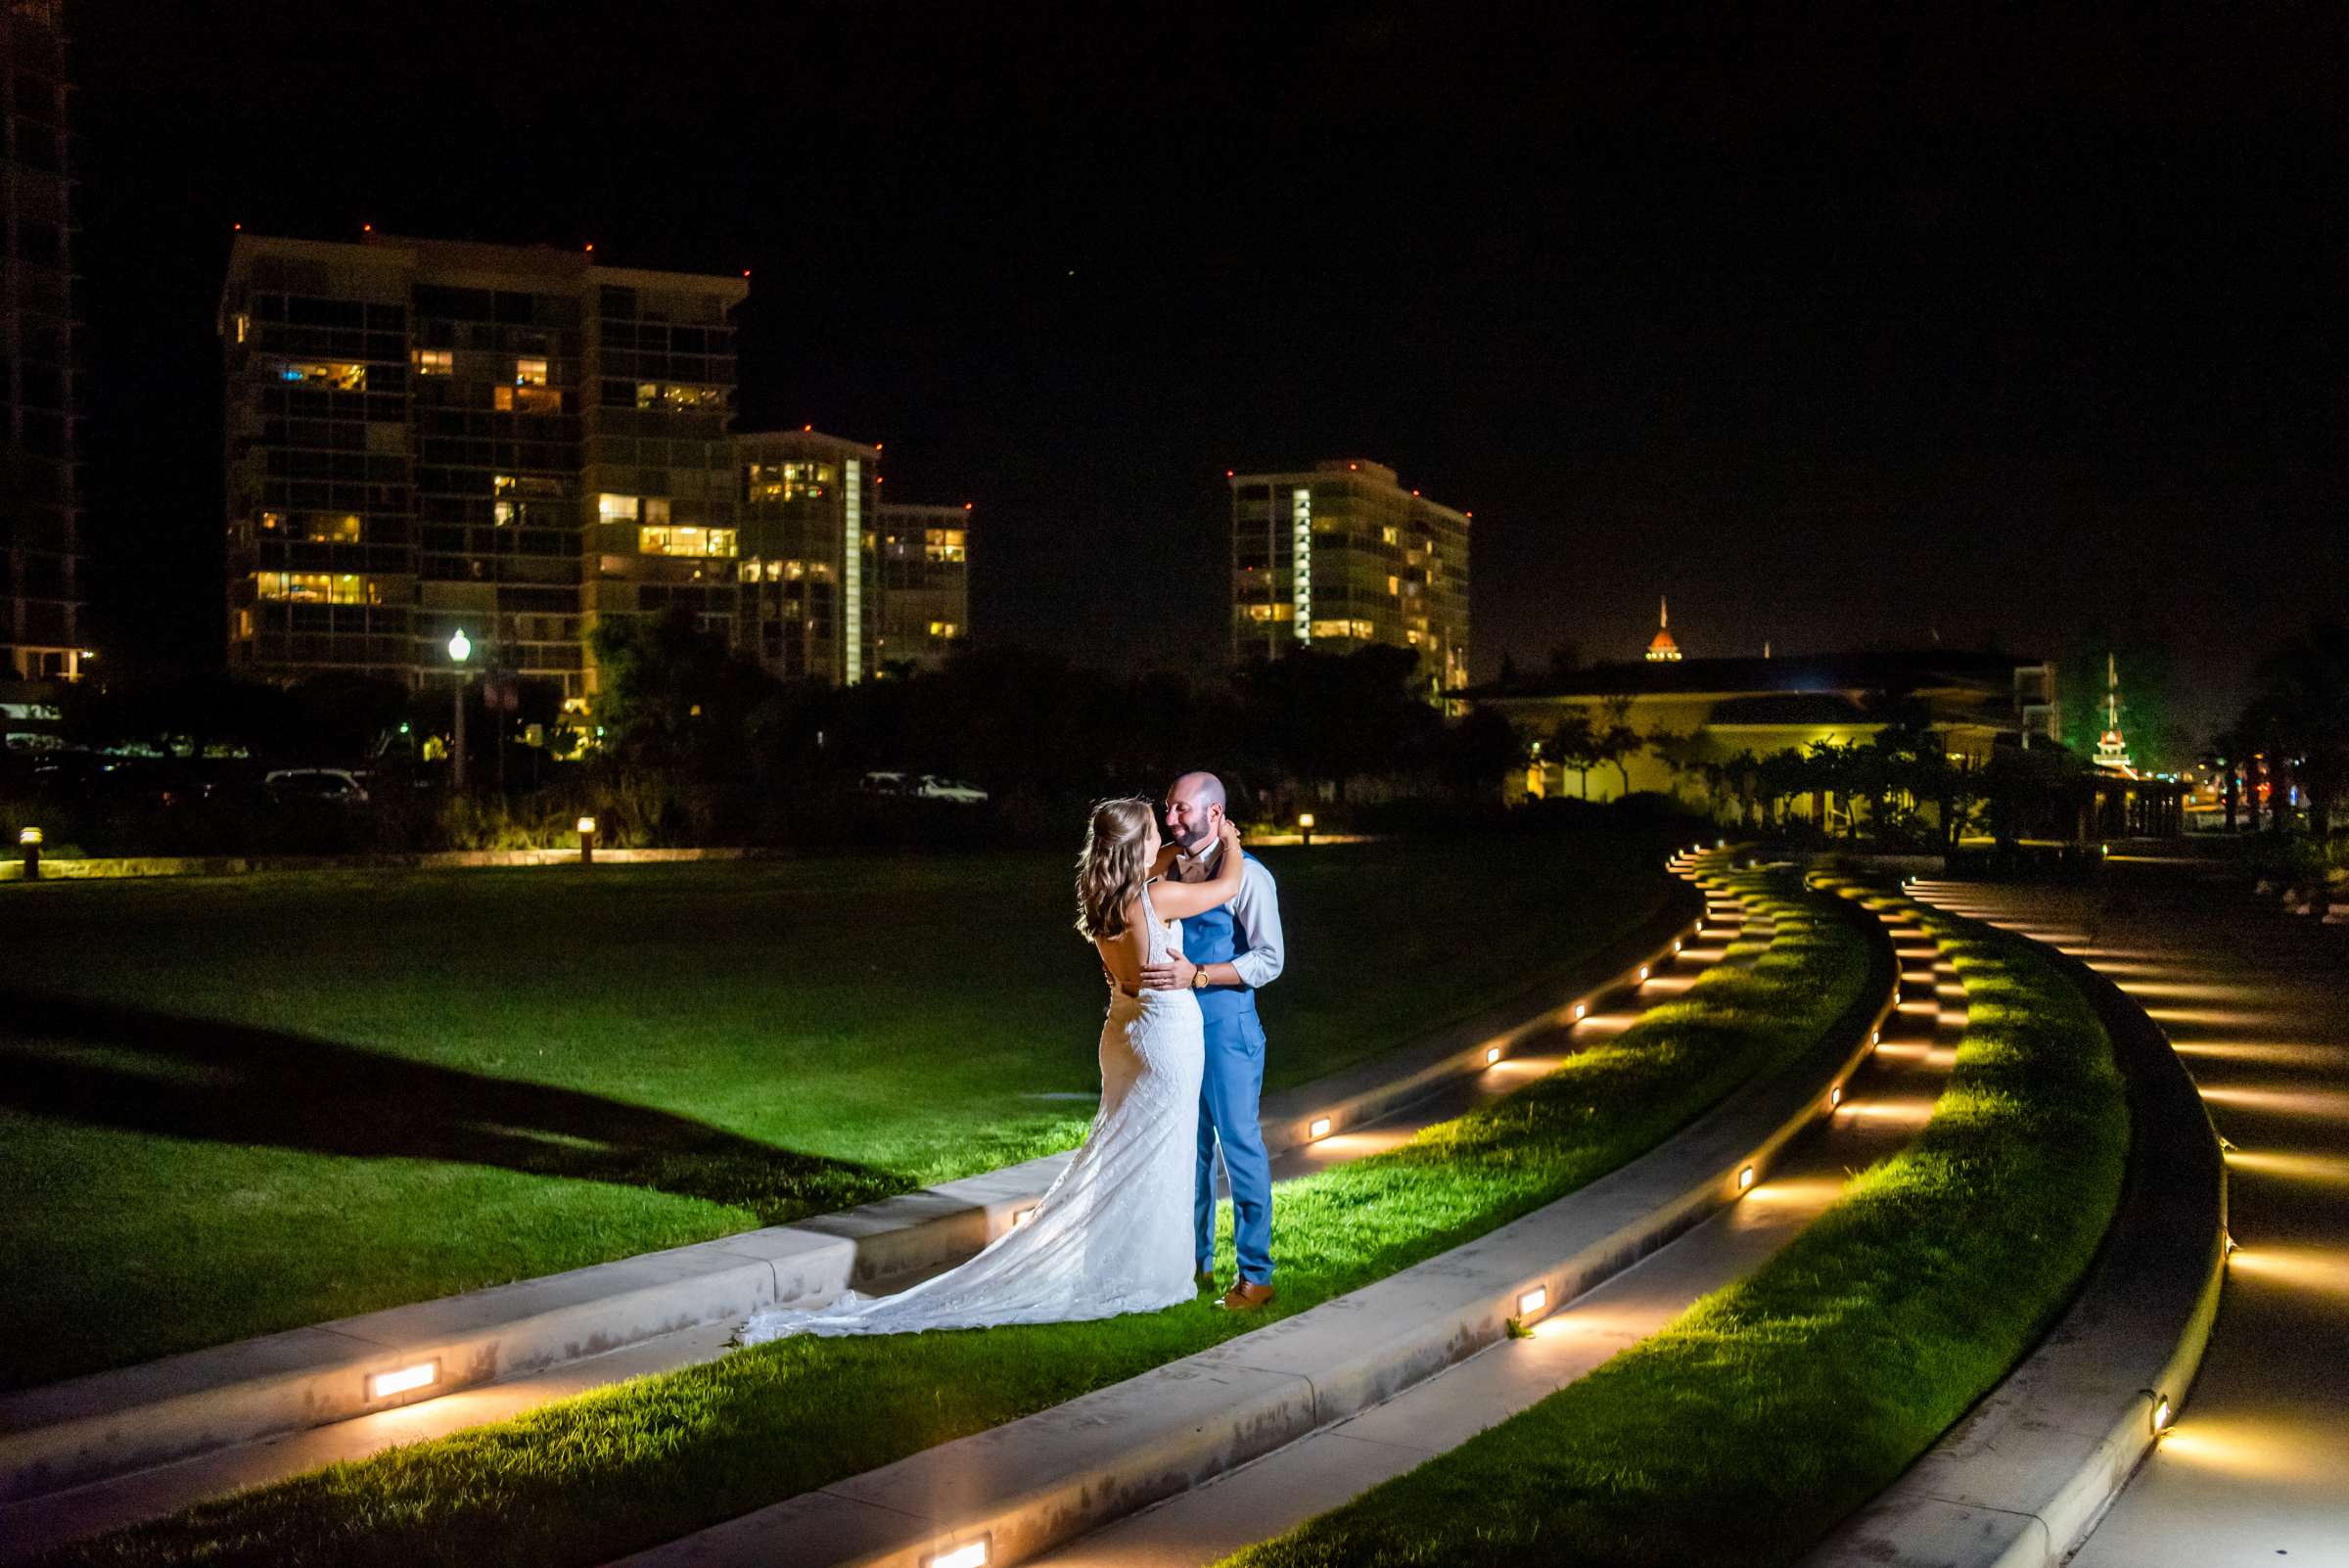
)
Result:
{"points": [[1839, 326]]}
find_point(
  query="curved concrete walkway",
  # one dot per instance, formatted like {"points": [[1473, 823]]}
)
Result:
{"points": [[1889, 1100], [2254, 1470], [39, 1523]]}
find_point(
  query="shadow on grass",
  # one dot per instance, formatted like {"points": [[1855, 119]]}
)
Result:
{"points": [[137, 1071]]}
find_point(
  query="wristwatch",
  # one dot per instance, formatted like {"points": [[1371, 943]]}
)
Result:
{"points": [[1199, 977]]}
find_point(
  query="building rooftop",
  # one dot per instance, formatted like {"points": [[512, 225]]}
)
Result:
{"points": [[1849, 673]]}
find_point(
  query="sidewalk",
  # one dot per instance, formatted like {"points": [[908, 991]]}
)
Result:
{"points": [[2258, 1009]]}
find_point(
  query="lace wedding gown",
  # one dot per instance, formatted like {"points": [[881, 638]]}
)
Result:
{"points": [[1113, 1232]]}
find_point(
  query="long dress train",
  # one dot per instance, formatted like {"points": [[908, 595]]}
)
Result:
{"points": [[1112, 1235]]}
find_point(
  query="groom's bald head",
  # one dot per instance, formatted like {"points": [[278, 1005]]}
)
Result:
{"points": [[1195, 810]]}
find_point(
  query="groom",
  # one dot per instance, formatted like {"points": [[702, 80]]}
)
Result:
{"points": [[1228, 954]]}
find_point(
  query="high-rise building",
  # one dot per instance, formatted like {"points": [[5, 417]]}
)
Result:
{"points": [[1342, 556], [427, 437], [41, 570], [809, 590], [925, 583]]}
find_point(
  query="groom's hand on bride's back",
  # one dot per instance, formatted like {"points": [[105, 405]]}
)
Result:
{"points": [[1171, 974]]}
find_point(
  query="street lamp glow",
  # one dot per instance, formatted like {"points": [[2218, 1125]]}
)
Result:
{"points": [[460, 646], [1305, 819], [29, 837], [587, 826]]}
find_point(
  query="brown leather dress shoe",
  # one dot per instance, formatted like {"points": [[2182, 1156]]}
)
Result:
{"points": [[1246, 1297]]}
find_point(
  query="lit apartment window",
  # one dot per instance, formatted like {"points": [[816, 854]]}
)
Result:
{"points": [[1390, 535], [503, 512], [244, 326], [661, 394], [436, 362], [337, 376], [611, 508], [1272, 612], [686, 541], [942, 629], [942, 545], [529, 399], [337, 527], [539, 485], [273, 522], [315, 587], [1343, 629], [1394, 587], [529, 372]]}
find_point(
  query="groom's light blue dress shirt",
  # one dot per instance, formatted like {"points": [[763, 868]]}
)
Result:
{"points": [[1256, 910]]}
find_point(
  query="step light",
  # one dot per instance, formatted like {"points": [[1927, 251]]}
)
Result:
{"points": [[1834, 1097], [970, 1554], [2162, 1413], [1532, 1301], [1644, 971], [1578, 1010], [406, 1379], [1745, 1179], [1492, 1054], [1319, 1129]]}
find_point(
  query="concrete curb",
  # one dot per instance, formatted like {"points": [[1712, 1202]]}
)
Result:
{"points": [[98, 869], [107, 1423], [1032, 1484], [2021, 1481]]}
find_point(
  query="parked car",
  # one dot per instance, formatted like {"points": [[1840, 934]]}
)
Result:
{"points": [[323, 786], [883, 781], [935, 788]]}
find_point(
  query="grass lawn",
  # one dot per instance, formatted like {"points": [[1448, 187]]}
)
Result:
{"points": [[1770, 1410], [247, 1104], [591, 1478]]}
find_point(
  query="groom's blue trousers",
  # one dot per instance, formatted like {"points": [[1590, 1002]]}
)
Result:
{"points": [[1229, 1087]]}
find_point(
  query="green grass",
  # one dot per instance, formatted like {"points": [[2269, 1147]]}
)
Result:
{"points": [[1770, 1410], [589, 1479], [274, 1100]]}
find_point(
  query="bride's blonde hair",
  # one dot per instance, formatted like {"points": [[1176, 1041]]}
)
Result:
{"points": [[1111, 871]]}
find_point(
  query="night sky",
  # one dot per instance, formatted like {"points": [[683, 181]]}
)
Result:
{"points": [[1857, 328]]}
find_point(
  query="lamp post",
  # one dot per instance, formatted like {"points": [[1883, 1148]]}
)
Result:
{"points": [[460, 648], [1304, 828], [587, 841], [28, 840]]}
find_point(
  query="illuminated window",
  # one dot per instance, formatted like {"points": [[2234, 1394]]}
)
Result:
{"points": [[660, 395], [686, 541], [244, 623], [655, 509], [1343, 629], [503, 512], [1389, 536], [942, 545], [540, 485], [316, 587], [609, 508], [436, 362], [793, 571], [529, 399], [1394, 587], [272, 522], [339, 377], [244, 326], [941, 628], [1301, 573], [339, 528], [1272, 612], [529, 372]]}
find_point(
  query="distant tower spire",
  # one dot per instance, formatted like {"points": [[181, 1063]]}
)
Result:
{"points": [[1663, 648], [2111, 751]]}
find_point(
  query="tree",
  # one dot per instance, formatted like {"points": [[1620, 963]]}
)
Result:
{"points": [[1575, 744], [2302, 706], [1617, 742]]}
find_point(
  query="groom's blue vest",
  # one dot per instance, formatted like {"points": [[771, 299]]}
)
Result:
{"points": [[1213, 938]]}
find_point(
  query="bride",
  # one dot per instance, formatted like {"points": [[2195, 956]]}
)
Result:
{"points": [[1114, 1233]]}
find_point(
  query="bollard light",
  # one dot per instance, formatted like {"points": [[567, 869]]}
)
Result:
{"points": [[587, 841], [407, 1379], [1305, 826], [28, 840]]}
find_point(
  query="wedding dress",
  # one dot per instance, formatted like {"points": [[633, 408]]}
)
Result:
{"points": [[1112, 1235]]}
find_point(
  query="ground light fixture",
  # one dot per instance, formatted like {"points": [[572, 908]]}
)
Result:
{"points": [[1532, 1301], [1319, 1129], [1745, 1179], [2162, 1413], [970, 1554], [1304, 827], [403, 1380], [1581, 1008], [1835, 1098], [587, 841], [1492, 1054], [29, 841], [1676, 944], [1644, 971]]}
